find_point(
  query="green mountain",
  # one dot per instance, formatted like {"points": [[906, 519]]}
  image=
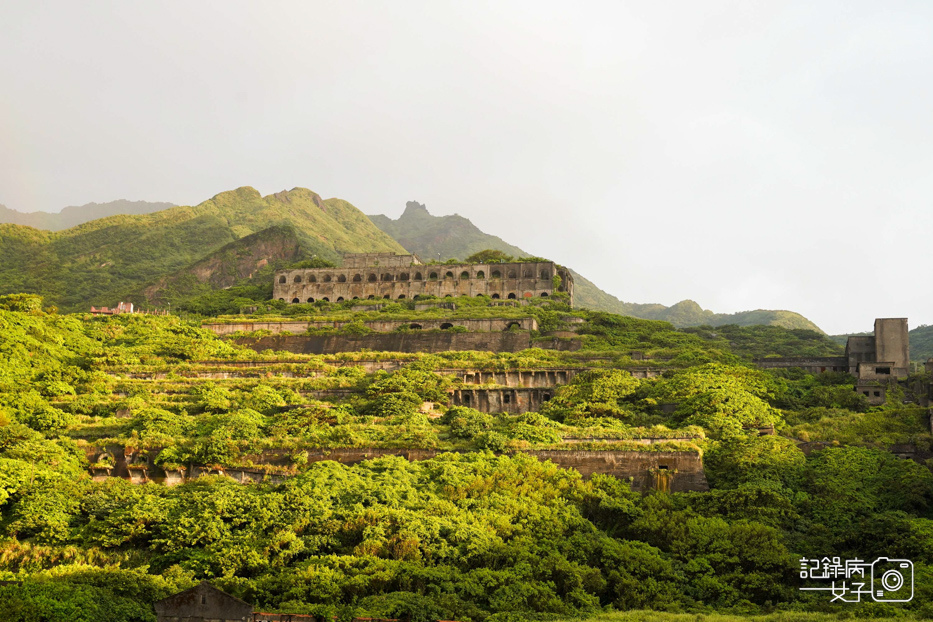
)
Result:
{"points": [[77, 214], [444, 237], [117, 258]]}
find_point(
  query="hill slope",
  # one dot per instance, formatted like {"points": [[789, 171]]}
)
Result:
{"points": [[77, 214], [444, 237], [115, 258]]}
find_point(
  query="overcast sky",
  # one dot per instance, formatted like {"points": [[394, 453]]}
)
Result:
{"points": [[741, 154]]}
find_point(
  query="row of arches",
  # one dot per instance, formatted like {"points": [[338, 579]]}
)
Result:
{"points": [[510, 296], [419, 276]]}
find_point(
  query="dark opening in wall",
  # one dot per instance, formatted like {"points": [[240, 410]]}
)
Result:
{"points": [[466, 398], [528, 274], [432, 276], [418, 276], [298, 278], [342, 278], [882, 370], [877, 393], [328, 278], [387, 277], [512, 325], [373, 278], [544, 294], [545, 274], [312, 279], [310, 299], [495, 296], [481, 275], [464, 275], [340, 299], [282, 279], [449, 275], [326, 299], [506, 398], [357, 278], [512, 274], [512, 296], [281, 300], [401, 297], [415, 326], [295, 301], [403, 276], [370, 297]]}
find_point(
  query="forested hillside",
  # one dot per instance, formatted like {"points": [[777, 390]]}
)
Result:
{"points": [[481, 531], [447, 237], [116, 258]]}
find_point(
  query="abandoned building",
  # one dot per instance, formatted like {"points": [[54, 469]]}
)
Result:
{"points": [[370, 276], [203, 602], [876, 360]]}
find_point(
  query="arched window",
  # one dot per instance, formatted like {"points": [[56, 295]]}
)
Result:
{"points": [[340, 299], [464, 275], [356, 298], [387, 297], [544, 294], [415, 326], [295, 301], [310, 299], [529, 274], [511, 296], [448, 296], [357, 278], [401, 297], [312, 279], [327, 278], [432, 276], [387, 277], [282, 279], [297, 278], [512, 325], [481, 275], [342, 278], [373, 278], [545, 274], [418, 276], [449, 275], [496, 274], [512, 274], [403, 276], [370, 297], [326, 299], [495, 296], [446, 325], [282, 299]]}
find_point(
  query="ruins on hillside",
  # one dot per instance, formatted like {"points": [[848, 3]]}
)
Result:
{"points": [[370, 276], [876, 360]]}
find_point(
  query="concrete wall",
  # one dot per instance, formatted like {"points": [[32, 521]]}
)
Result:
{"points": [[814, 365], [513, 400], [892, 343], [203, 603], [684, 469], [531, 378], [380, 326], [499, 281], [383, 260], [405, 342]]}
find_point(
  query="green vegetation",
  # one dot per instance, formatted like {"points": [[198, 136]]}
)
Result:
{"points": [[117, 258], [480, 531]]}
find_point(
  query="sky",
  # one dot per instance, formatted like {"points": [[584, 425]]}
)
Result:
{"points": [[744, 155]]}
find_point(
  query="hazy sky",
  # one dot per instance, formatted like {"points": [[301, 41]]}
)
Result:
{"points": [[741, 154]]}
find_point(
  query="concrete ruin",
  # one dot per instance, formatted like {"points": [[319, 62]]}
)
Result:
{"points": [[485, 325], [201, 603], [416, 341], [876, 360], [370, 276], [679, 471]]}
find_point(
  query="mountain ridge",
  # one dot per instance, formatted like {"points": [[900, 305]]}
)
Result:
{"points": [[74, 215]]}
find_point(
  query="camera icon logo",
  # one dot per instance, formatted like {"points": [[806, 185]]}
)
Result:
{"points": [[892, 580]]}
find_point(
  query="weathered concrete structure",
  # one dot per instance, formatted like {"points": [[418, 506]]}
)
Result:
{"points": [[646, 470], [885, 354], [509, 400], [380, 326], [431, 342], [400, 277], [202, 603]]}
